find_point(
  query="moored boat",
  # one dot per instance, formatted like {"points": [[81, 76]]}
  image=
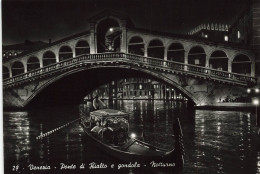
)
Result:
{"points": [[109, 130]]}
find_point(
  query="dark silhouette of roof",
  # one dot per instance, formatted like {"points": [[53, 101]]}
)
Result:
{"points": [[193, 38], [27, 45], [48, 45]]}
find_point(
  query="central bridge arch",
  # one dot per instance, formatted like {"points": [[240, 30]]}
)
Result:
{"points": [[74, 85]]}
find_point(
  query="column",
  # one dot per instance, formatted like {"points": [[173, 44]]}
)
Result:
{"points": [[10, 71], [25, 67], [207, 64], [165, 55], [92, 43], [207, 61], [186, 59], [56, 52], [41, 62], [229, 66], [253, 69], [145, 50], [123, 47]]}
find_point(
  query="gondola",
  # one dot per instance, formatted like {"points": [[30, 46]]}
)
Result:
{"points": [[108, 129]]}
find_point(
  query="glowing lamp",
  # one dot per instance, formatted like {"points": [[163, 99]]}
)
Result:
{"points": [[248, 90], [256, 90], [111, 29], [255, 102], [133, 135]]}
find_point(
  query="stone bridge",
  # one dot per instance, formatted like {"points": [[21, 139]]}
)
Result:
{"points": [[204, 71], [203, 86]]}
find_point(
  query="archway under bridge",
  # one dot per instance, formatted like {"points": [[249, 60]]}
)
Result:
{"points": [[71, 86]]}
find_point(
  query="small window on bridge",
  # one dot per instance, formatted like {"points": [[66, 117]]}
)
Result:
{"points": [[176, 52], [82, 47], [17, 68], [136, 46], [33, 63], [226, 38], [219, 60], [6, 73], [197, 54], [65, 53], [242, 65], [156, 49], [48, 58]]}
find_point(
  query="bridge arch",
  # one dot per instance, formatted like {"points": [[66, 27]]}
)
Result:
{"points": [[241, 64], [156, 48], [103, 69], [65, 52], [48, 58], [136, 45], [6, 72], [97, 22], [197, 56], [108, 30], [33, 63], [17, 68], [82, 47], [176, 52], [218, 60]]}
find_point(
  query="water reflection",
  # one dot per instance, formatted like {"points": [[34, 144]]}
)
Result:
{"points": [[215, 141]]}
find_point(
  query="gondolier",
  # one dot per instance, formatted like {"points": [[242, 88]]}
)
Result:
{"points": [[98, 104]]}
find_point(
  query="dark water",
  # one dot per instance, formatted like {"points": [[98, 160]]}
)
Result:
{"points": [[215, 141]]}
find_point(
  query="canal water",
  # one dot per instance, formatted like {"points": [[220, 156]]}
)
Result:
{"points": [[214, 141]]}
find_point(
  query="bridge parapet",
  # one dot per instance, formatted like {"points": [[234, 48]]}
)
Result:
{"points": [[134, 60]]}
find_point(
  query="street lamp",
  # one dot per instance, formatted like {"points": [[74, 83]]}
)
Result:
{"points": [[255, 101]]}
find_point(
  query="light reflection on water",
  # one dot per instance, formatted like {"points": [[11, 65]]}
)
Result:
{"points": [[215, 141]]}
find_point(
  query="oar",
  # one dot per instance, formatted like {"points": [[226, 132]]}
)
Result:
{"points": [[55, 130]]}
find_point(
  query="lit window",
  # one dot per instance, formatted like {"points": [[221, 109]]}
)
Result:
{"points": [[140, 86], [206, 36], [226, 38], [113, 82], [10, 54], [238, 34], [4, 55]]}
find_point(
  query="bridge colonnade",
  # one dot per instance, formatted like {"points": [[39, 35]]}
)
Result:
{"points": [[144, 43]]}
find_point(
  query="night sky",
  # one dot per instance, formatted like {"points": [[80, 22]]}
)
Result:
{"points": [[43, 19]]}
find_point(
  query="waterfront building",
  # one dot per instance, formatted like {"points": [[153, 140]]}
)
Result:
{"points": [[11, 51]]}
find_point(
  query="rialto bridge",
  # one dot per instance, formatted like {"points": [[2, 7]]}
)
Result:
{"points": [[204, 71]]}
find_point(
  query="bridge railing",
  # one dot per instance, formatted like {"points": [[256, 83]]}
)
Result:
{"points": [[63, 64], [149, 61], [193, 69]]}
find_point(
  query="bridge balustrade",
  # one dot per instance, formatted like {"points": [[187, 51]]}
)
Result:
{"points": [[163, 64]]}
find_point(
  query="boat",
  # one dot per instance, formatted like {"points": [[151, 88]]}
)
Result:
{"points": [[108, 129]]}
